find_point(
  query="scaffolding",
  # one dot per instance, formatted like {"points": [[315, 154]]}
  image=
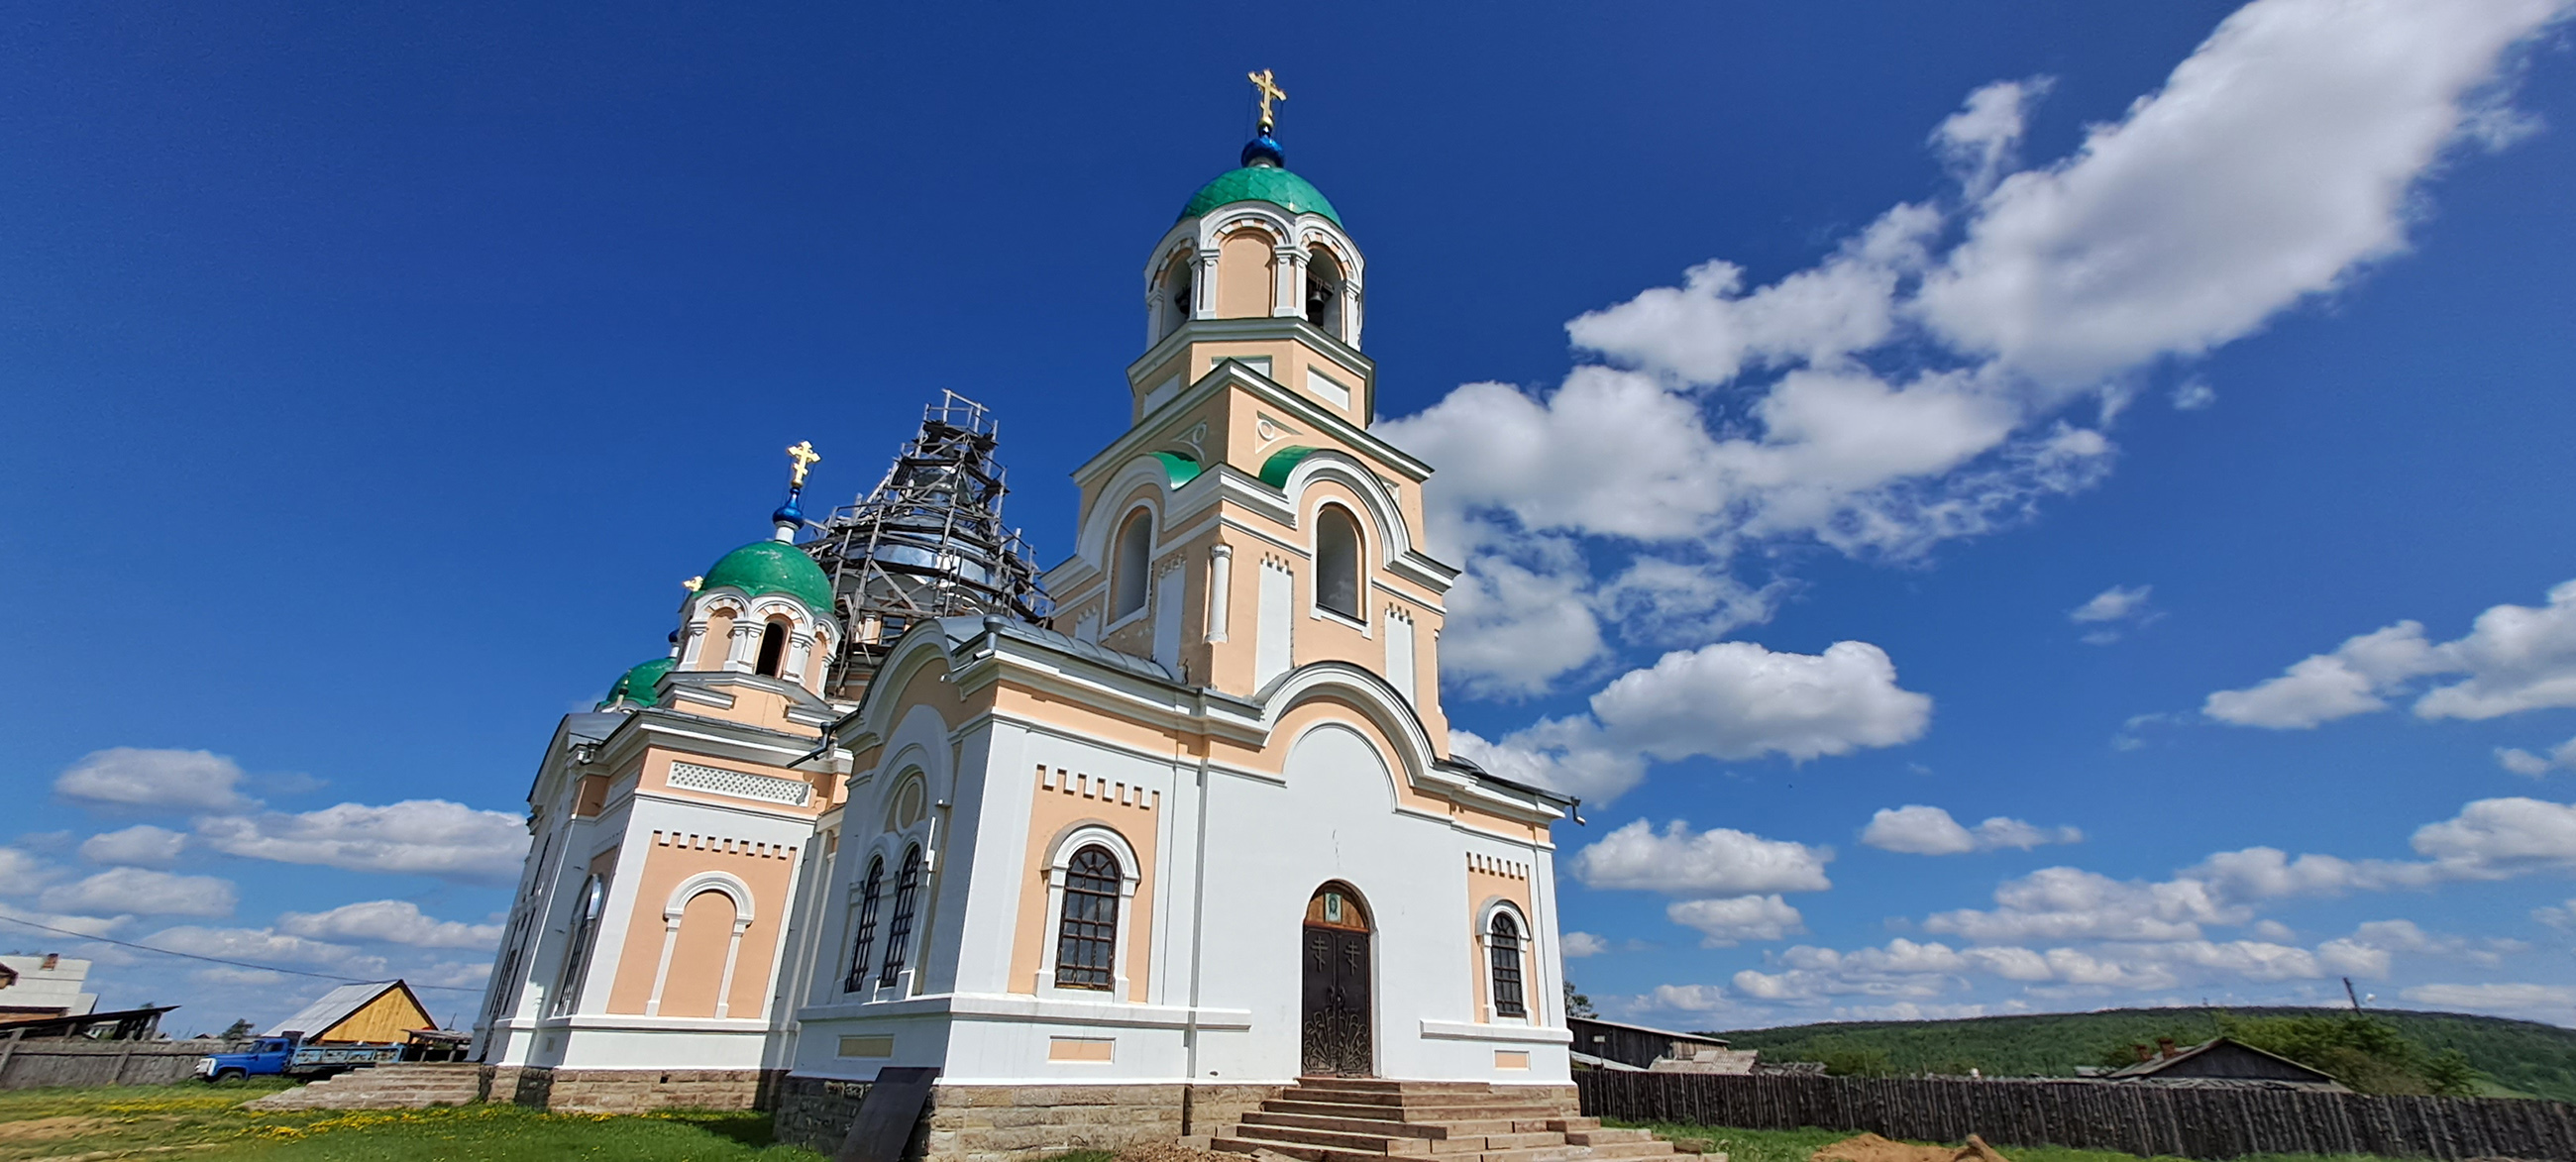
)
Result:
{"points": [[927, 542]]}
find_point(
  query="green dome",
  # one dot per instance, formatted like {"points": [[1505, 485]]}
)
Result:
{"points": [[637, 685], [774, 567], [1261, 183]]}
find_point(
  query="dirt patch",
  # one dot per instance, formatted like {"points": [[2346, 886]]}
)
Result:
{"points": [[1872, 1148], [1172, 1152], [47, 1129]]}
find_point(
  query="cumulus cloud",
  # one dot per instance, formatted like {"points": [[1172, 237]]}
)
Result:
{"points": [[21, 871], [1728, 922], [268, 945], [1575, 945], [143, 892], [1730, 700], [169, 780], [431, 837], [2193, 395], [2553, 1003], [391, 921], [141, 845], [2281, 158], [1920, 830], [1718, 862], [2514, 658], [2116, 603]]}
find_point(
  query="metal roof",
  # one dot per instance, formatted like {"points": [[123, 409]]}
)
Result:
{"points": [[332, 1007]]}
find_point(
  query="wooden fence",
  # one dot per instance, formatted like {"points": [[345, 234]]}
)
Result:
{"points": [[39, 1061], [2138, 1119]]}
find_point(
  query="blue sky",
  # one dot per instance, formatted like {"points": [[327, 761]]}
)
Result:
{"points": [[373, 379]]}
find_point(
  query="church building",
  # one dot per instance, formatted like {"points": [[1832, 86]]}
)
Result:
{"points": [[1126, 848]]}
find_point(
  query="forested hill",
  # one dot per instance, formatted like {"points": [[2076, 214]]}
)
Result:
{"points": [[2521, 1056]]}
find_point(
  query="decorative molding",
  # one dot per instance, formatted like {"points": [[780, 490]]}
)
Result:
{"points": [[741, 784]]}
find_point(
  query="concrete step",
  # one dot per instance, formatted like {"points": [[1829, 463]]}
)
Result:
{"points": [[1394, 1085], [1319, 1106], [1567, 1124], [1605, 1137], [1231, 1144], [1350, 1125], [1650, 1148], [1379, 1144]]}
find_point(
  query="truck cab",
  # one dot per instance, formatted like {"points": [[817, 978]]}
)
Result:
{"points": [[266, 1056]]}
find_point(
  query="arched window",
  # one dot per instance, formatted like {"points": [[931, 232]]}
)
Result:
{"points": [[907, 886], [585, 934], [1324, 291], [1176, 295], [864, 939], [773, 649], [1337, 561], [1135, 555], [1086, 949], [1503, 945]]}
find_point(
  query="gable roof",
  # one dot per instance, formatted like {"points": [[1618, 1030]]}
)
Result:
{"points": [[338, 1005], [2156, 1065]]}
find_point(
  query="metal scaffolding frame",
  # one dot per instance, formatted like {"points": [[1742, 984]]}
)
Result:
{"points": [[927, 542]]}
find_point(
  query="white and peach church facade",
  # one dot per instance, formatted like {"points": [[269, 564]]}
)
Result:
{"points": [[1201, 835]]}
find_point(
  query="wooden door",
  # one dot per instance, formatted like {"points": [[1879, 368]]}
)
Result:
{"points": [[1336, 1033]]}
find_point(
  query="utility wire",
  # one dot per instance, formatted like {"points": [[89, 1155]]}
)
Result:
{"points": [[220, 960]]}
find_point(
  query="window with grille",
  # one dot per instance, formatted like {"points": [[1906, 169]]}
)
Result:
{"points": [[585, 933], [907, 887], [865, 940], [1503, 943], [1086, 946]]}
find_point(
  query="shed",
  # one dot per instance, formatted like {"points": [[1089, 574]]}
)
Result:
{"points": [[1636, 1046], [375, 1012], [2223, 1061]]}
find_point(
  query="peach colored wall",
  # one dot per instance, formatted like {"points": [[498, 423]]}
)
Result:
{"points": [[718, 641], [1243, 275], [767, 870], [698, 956], [1077, 800]]}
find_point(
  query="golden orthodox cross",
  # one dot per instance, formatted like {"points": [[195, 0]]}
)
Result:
{"points": [[1268, 86], [805, 457]]}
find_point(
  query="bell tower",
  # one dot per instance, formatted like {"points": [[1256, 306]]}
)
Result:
{"points": [[1248, 522]]}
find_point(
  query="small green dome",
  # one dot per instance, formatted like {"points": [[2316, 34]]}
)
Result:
{"points": [[774, 567], [1261, 183], [636, 685]]}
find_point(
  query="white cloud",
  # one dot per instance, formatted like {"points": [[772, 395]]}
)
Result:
{"points": [[1728, 922], [2113, 604], [2193, 395], [143, 892], [2282, 157], [21, 872], [2523, 762], [431, 837], [1731, 700], [2514, 658], [1921, 830], [2064, 903], [141, 845], [392, 921], [268, 945], [169, 780], [2543, 1002], [1716, 862], [1686, 998], [1576, 945]]}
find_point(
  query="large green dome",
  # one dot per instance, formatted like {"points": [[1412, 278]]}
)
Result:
{"points": [[1261, 183], [774, 567], [636, 685]]}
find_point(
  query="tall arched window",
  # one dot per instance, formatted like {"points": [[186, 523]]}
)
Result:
{"points": [[585, 934], [1086, 949], [907, 886], [1135, 554], [864, 938], [1176, 295], [1337, 561], [1503, 945], [773, 649]]}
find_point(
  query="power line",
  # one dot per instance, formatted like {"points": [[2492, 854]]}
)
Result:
{"points": [[221, 960]]}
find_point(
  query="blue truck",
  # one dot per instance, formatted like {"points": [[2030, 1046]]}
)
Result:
{"points": [[289, 1056]]}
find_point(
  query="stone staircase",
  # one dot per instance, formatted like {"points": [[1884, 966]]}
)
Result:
{"points": [[1334, 1119], [410, 1086]]}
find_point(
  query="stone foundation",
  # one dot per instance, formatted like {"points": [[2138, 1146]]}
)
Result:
{"points": [[635, 1091], [1020, 1123]]}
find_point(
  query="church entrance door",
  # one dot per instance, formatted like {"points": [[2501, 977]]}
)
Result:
{"points": [[1336, 1041]]}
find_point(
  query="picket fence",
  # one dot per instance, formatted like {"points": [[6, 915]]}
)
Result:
{"points": [[2192, 1122]]}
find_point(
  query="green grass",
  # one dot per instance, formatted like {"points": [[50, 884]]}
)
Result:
{"points": [[2518, 1058], [200, 1123], [1797, 1145]]}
